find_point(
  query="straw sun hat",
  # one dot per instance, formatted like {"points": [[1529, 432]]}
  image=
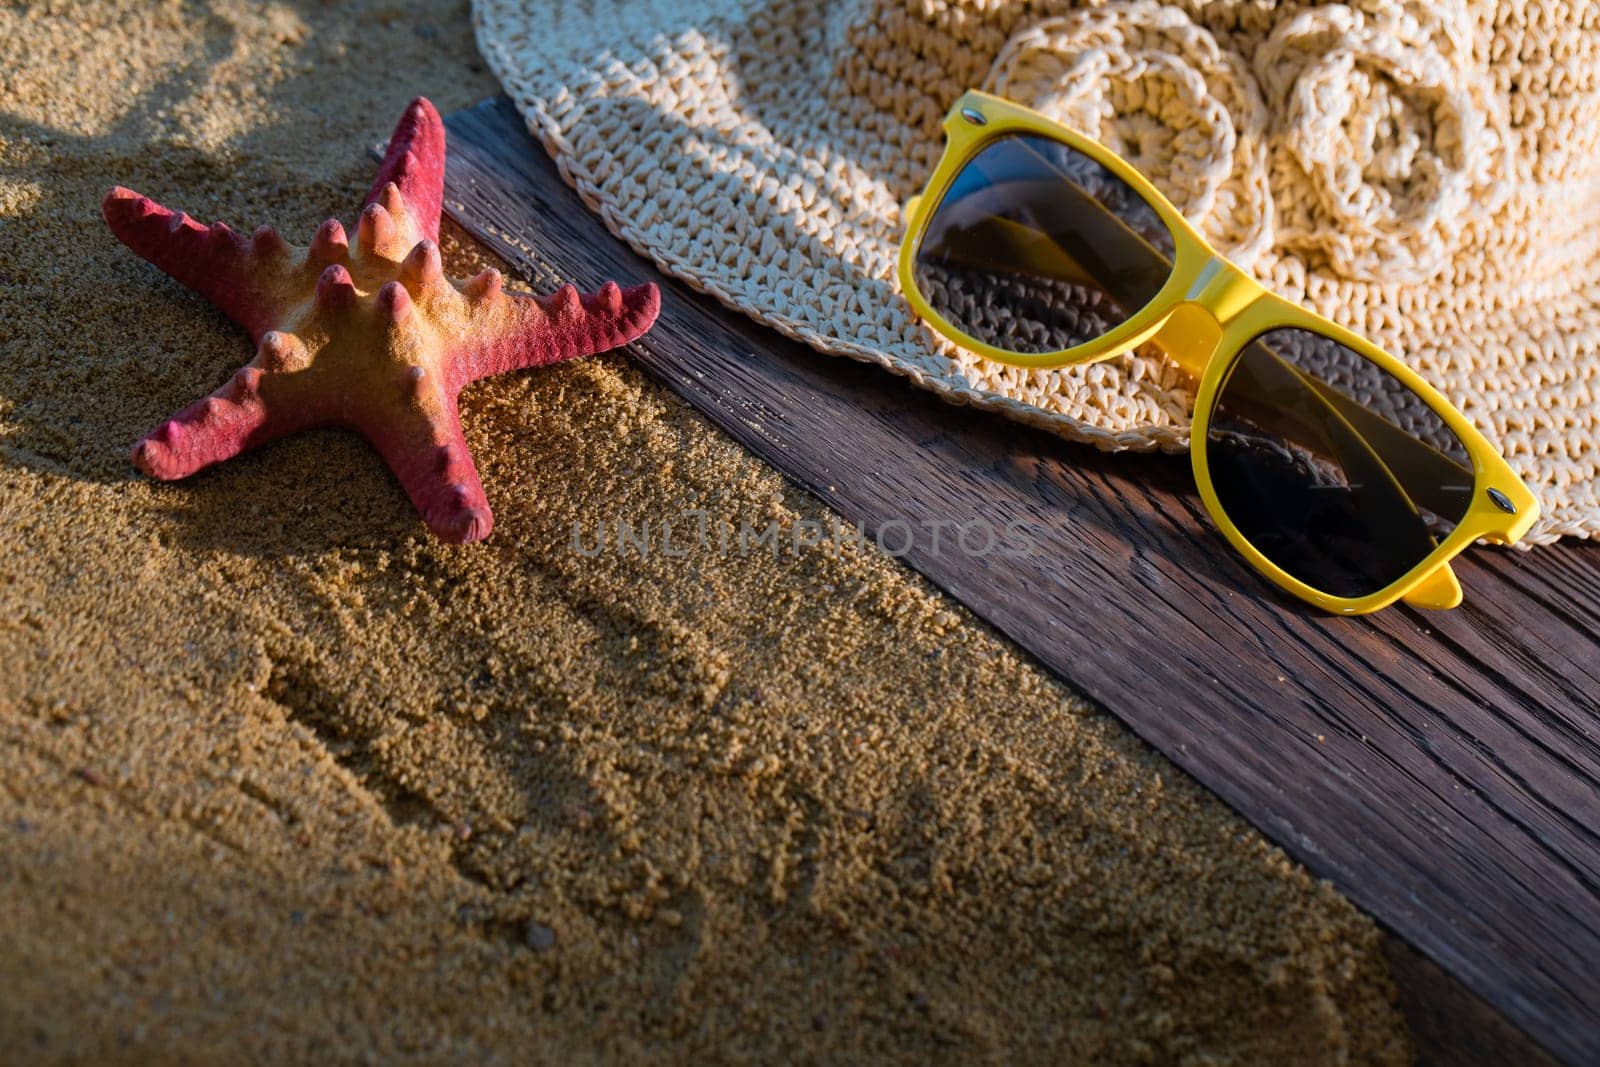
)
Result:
{"points": [[1426, 173]]}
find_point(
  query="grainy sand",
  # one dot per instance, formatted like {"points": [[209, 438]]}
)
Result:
{"points": [[282, 777]]}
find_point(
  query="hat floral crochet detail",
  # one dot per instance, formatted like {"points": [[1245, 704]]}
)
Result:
{"points": [[1427, 174], [1159, 90], [1393, 140]]}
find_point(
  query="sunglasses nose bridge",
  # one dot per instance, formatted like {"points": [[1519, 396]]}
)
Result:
{"points": [[1219, 293], [1189, 336], [1222, 290]]}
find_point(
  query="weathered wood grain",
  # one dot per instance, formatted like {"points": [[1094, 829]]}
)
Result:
{"points": [[1449, 1025], [1441, 769]]}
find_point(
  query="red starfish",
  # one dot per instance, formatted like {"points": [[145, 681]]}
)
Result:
{"points": [[372, 337]]}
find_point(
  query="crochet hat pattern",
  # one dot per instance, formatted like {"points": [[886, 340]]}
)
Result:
{"points": [[1427, 174]]}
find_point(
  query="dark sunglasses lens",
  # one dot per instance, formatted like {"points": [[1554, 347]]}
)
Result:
{"points": [[1037, 248], [1330, 466]]}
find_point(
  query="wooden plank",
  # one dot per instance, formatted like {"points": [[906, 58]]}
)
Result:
{"points": [[1450, 1026], [1440, 768]]}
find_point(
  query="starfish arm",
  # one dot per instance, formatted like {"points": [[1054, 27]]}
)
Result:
{"points": [[429, 455], [415, 165], [534, 331], [231, 420], [228, 269]]}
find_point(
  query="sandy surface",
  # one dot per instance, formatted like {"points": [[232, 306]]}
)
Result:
{"points": [[281, 776]]}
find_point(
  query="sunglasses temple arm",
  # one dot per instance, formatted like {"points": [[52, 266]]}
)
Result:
{"points": [[1438, 589], [1426, 463], [1009, 245], [1003, 246], [1105, 229], [1356, 454]]}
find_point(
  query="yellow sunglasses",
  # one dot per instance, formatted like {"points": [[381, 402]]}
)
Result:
{"points": [[1338, 472]]}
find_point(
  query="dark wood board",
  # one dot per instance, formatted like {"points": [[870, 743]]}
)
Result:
{"points": [[1440, 768]]}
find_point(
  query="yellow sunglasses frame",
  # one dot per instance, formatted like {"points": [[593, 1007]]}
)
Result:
{"points": [[1210, 308]]}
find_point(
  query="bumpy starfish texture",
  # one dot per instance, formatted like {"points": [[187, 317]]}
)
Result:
{"points": [[371, 336]]}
